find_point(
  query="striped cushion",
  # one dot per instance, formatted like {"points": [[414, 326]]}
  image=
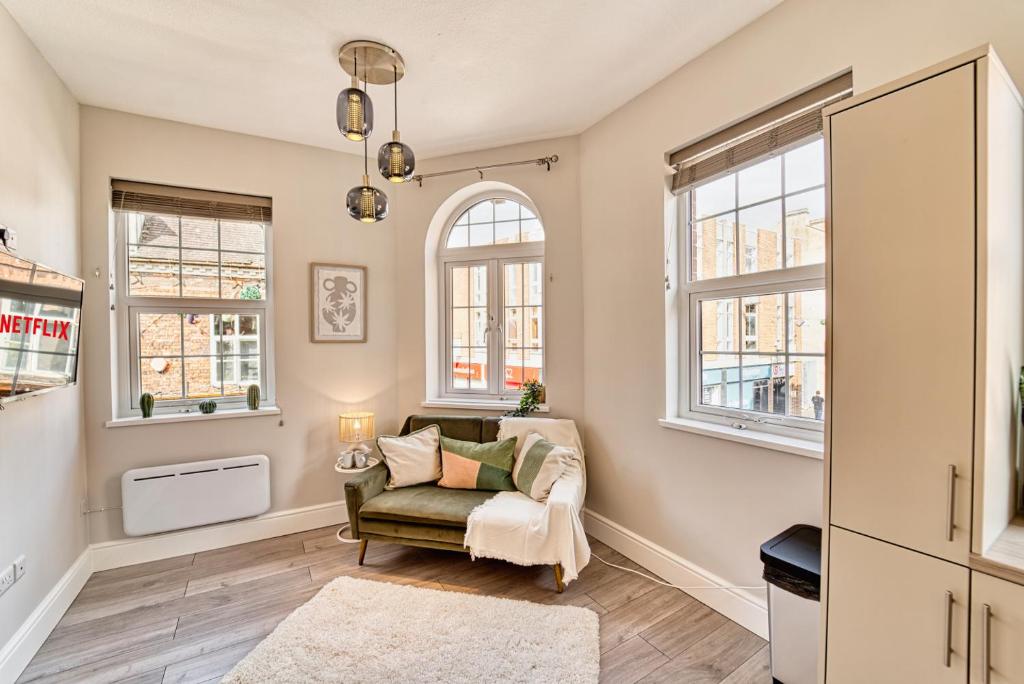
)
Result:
{"points": [[540, 464], [469, 465]]}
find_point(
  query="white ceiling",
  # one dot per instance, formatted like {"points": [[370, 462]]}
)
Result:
{"points": [[481, 73]]}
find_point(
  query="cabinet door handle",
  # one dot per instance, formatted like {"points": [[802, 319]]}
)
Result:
{"points": [[947, 651], [986, 644], [950, 502]]}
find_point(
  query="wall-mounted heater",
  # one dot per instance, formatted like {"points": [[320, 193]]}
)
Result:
{"points": [[174, 497]]}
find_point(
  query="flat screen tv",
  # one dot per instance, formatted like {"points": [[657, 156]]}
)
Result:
{"points": [[40, 311]]}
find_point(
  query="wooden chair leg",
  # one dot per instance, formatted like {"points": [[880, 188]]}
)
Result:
{"points": [[558, 578], [362, 550]]}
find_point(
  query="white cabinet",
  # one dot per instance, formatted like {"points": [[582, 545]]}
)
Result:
{"points": [[894, 615], [997, 631], [902, 308]]}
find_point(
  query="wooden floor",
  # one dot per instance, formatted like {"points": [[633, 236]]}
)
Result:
{"points": [[190, 619]]}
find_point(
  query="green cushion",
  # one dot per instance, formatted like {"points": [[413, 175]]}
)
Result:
{"points": [[425, 504], [471, 465]]}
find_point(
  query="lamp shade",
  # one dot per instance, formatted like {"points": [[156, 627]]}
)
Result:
{"points": [[355, 427], [354, 113], [396, 161], [366, 203]]}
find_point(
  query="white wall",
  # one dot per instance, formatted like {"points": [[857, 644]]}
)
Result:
{"points": [[42, 454], [714, 502], [314, 381], [556, 196]]}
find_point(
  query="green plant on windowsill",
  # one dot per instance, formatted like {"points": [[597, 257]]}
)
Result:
{"points": [[530, 401]]}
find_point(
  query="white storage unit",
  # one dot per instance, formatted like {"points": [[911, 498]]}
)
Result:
{"points": [[925, 286]]}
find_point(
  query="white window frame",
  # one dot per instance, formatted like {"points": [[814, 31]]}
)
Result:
{"points": [[494, 257], [127, 308], [686, 295]]}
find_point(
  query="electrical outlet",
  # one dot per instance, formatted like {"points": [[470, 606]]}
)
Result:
{"points": [[19, 568], [6, 579]]}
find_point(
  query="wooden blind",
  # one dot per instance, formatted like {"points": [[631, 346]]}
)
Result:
{"points": [[166, 199], [757, 136]]}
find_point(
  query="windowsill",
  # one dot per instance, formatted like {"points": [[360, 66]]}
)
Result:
{"points": [[478, 404], [225, 414], [790, 445]]}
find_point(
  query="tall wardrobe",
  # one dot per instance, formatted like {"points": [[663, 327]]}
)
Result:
{"points": [[923, 563]]}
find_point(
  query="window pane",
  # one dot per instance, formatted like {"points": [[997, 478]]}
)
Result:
{"points": [[761, 237], [761, 181], [715, 197], [159, 335], [807, 386], [152, 271], [506, 210], [243, 236], [534, 283], [481, 234], [460, 286], [714, 247], [482, 212], [478, 327], [506, 232], [533, 334], [478, 286], [152, 230], [720, 380], [248, 325], [460, 327], [514, 369], [763, 323], [459, 236], [533, 365], [805, 166], [199, 273], [526, 213], [764, 384], [460, 368], [718, 325], [243, 276], [478, 374], [161, 377], [807, 327], [532, 231], [514, 327], [199, 232], [513, 284], [202, 377], [239, 373], [805, 228], [199, 334]]}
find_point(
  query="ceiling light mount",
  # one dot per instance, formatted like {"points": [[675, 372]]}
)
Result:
{"points": [[378, 63]]}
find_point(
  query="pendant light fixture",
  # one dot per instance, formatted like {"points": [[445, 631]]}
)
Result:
{"points": [[395, 159], [364, 202], [381, 65], [355, 109]]}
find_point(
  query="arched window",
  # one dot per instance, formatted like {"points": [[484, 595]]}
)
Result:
{"points": [[491, 268]]}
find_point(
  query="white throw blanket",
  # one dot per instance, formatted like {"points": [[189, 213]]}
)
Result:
{"points": [[513, 527]]}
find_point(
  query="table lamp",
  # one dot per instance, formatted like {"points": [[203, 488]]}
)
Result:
{"points": [[353, 430]]}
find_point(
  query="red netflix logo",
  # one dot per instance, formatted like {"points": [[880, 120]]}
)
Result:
{"points": [[30, 325]]}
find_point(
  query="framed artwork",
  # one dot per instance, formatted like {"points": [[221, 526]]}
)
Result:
{"points": [[338, 296]]}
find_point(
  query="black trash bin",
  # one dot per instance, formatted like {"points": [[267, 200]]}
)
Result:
{"points": [[792, 568]]}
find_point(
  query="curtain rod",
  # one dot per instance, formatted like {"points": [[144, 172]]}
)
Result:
{"points": [[541, 161]]}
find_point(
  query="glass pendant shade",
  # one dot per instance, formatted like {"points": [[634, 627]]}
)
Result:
{"points": [[355, 113], [396, 161], [366, 203]]}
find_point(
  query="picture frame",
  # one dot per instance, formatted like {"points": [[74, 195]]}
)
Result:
{"points": [[338, 303]]}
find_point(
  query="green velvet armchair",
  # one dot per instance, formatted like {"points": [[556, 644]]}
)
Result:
{"points": [[422, 515]]}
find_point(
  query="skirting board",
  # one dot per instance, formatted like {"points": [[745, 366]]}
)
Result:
{"points": [[738, 605], [18, 651], [122, 552]]}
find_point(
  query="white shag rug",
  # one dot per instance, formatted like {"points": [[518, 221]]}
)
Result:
{"points": [[362, 631]]}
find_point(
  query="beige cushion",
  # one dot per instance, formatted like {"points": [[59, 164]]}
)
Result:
{"points": [[539, 465], [412, 459]]}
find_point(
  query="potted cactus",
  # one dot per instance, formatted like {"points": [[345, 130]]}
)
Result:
{"points": [[146, 403], [252, 397], [208, 406]]}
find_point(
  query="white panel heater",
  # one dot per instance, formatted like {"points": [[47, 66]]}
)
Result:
{"points": [[174, 497]]}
